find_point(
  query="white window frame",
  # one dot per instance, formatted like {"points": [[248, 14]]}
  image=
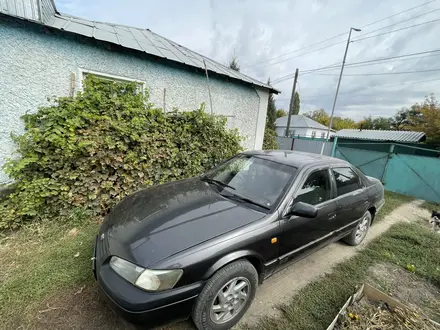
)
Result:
{"points": [[82, 72], [322, 135], [313, 134]]}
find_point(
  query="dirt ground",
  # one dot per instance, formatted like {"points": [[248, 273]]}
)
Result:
{"points": [[407, 288], [84, 310]]}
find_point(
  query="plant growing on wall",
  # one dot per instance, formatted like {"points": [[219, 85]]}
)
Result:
{"points": [[91, 150]]}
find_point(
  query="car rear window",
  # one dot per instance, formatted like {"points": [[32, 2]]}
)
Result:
{"points": [[346, 180]]}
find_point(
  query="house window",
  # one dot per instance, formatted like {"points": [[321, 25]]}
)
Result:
{"points": [[313, 134], [291, 132], [83, 74], [323, 135]]}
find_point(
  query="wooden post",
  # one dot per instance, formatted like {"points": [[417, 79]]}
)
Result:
{"points": [[292, 102]]}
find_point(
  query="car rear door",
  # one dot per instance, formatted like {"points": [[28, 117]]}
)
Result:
{"points": [[351, 197], [299, 235]]}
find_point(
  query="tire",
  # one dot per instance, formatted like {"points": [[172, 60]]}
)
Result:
{"points": [[220, 285], [353, 239]]}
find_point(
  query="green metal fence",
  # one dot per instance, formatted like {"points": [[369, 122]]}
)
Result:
{"points": [[401, 168]]}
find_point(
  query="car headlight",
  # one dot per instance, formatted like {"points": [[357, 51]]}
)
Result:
{"points": [[146, 279]]}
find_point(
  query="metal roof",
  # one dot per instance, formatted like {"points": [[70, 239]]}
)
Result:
{"points": [[143, 40], [379, 135], [299, 121]]}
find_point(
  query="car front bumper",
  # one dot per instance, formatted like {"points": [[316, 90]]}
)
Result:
{"points": [[138, 306]]}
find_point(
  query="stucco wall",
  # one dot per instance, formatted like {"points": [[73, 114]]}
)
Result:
{"points": [[36, 65]]}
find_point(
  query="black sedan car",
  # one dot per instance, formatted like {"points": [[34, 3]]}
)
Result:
{"points": [[201, 246]]}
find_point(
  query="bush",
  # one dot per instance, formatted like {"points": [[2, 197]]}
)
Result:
{"points": [[91, 150]]}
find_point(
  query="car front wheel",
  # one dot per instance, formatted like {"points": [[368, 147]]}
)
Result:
{"points": [[358, 234], [226, 296]]}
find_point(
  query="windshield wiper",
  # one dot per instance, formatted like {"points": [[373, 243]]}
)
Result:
{"points": [[217, 182], [245, 199]]}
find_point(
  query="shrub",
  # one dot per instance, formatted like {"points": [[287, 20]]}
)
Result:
{"points": [[91, 150]]}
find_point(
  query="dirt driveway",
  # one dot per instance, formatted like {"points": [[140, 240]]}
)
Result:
{"points": [[82, 310]]}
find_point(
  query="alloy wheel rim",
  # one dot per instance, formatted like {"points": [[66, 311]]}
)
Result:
{"points": [[230, 300], [362, 229]]}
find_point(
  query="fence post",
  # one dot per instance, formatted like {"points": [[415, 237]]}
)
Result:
{"points": [[335, 143], [293, 141], [390, 152]]}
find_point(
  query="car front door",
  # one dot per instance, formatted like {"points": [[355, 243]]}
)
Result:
{"points": [[300, 235], [351, 197]]}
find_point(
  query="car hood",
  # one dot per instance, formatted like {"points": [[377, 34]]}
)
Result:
{"points": [[157, 222]]}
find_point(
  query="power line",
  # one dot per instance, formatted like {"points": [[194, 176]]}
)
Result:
{"points": [[290, 75], [354, 40], [378, 74], [404, 28], [360, 64], [341, 34], [400, 22], [351, 92], [312, 51], [383, 59]]}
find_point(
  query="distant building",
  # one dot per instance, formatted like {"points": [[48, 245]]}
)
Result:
{"points": [[301, 125]]}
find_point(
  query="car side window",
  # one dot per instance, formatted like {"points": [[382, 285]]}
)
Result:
{"points": [[316, 189], [346, 180]]}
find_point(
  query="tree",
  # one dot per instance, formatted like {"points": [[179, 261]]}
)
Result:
{"points": [[343, 123], [379, 123], [319, 115], [423, 117], [280, 113], [296, 104], [269, 140], [382, 123], [403, 118], [366, 123], [233, 64], [271, 111]]}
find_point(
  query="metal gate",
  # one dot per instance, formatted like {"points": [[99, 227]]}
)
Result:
{"points": [[371, 163], [399, 171]]}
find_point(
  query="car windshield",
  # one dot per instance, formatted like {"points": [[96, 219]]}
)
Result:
{"points": [[259, 181]]}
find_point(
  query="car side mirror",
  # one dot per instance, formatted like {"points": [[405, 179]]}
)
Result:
{"points": [[302, 209]]}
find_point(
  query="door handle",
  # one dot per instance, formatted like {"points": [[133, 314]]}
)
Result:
{"points": [[332, 216]]}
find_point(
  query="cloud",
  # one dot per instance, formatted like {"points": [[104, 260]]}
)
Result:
{"points": [[258, 32]]}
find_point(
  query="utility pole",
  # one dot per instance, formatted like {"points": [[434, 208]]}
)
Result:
{"points": [[292, 103], [337, 88], [339, 81]]}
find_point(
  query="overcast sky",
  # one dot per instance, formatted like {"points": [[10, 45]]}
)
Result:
{"points": [[262, 32]]}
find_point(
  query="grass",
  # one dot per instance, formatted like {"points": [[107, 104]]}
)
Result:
{"points": [[431, 206], [392, 202], [42, 259], [38, 261], [315, 306]]}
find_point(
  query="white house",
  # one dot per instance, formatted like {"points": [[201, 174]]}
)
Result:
{"points": [[44, 53], [301, 125]]}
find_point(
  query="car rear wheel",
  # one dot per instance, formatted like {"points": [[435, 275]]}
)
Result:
{"points": [[226, 296], [358, 234]]}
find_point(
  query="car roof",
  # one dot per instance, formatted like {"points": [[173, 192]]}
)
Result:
{"points": [[297, 159]]}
